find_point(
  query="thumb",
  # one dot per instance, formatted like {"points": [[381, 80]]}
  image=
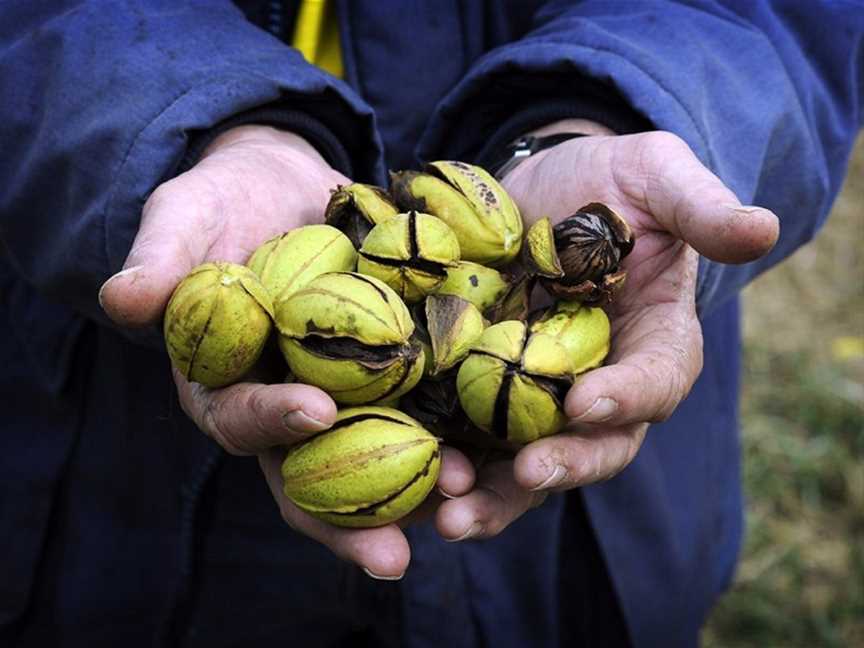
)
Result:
{"points": [[695, 205], [168, 245]]}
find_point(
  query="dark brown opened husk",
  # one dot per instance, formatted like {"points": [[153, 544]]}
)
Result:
{"points": [[579, 258]]}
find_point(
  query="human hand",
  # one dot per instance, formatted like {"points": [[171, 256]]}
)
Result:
{"points": [[252, 183], [676, 208]]}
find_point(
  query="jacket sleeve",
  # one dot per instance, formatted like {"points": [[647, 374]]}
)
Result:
{"points": [[100, 102], [768, 95]]}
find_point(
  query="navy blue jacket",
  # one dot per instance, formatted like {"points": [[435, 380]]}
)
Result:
{"points": [[119, 522]]}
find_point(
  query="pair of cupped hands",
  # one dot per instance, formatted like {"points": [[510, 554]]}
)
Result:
{"points": [[254, 182]]}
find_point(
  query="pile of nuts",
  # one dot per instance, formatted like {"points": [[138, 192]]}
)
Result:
{"points": [[411, 308]]}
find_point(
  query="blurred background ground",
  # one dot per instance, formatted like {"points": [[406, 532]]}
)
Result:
{"points": [[801, 578]]}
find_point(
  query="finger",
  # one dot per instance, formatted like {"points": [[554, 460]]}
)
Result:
{"points": [[173, 238], [694, 204], [456, 477], [248, 418], [383, 552], [571, 459], [657, 358], [496, 501]]}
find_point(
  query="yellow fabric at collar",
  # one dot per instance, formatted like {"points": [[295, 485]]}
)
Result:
{"points": [[316, 35]]}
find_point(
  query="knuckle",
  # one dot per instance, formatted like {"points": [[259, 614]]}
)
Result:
{"points": [[658, 386], [669, 395], [221, 431], [258, 407], [209, 421], [672, 372], [211, 196], [164, 194], [618, 455], [664, 142], [589, 468], [494, 517], [196, 194]]}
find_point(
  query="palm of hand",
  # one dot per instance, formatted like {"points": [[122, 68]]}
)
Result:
{"points": [[245, 190], [670, 200], [252, 183], [673, 204]]}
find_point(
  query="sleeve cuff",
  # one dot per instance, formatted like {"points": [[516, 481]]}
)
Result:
{"points": [[530, 100], [298, 122], [615, 115]]}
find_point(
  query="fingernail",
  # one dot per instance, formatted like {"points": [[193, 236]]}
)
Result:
{"points": [[744, 209], [475, 530], [600, 410], [553, 479], [383, 578], [299, 421], [445, 494], [122, 273]]}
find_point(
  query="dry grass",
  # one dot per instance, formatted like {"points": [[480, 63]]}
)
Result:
{"points": [[801, 578]]}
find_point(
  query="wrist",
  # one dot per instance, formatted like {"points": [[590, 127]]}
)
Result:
{"points": [[255, 135], [536, 142], [584, 126], [275, 166]]}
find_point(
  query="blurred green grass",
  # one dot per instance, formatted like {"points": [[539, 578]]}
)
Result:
{"points": [[801, 577]]}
